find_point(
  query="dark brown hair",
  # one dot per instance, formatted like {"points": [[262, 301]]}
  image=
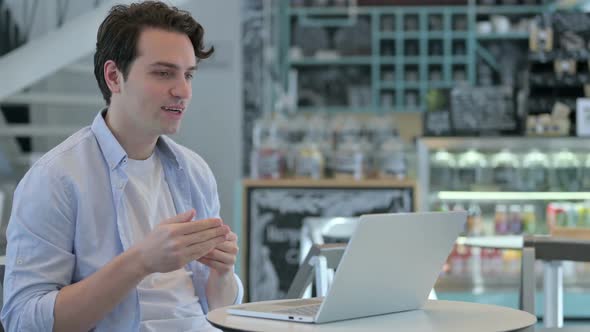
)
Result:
{"points": [[119, 33]]}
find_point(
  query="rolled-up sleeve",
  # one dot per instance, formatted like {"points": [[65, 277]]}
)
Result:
{"points": [[39, 258]]}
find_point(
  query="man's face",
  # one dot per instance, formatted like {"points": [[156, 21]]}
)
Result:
{"points": [[158, 87]]}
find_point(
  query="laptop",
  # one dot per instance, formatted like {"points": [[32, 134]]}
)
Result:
{"points": [[389, 265]]}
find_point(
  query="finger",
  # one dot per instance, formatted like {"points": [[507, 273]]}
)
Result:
{"points": [[222, 257], [228, 247], [231, 236], [204, 235], [199, 250], [197, 226], [179, 218], [215, 264]]}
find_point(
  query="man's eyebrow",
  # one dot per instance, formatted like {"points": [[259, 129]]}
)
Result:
{"points": [[171, 65]]}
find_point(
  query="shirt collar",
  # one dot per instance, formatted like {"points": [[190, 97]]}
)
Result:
{"points": [[112, 150], [163, 145]]}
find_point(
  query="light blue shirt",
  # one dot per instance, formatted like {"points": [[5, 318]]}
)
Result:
{"points": [[68, 219]]}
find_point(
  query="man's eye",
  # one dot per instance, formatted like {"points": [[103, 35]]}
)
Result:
{"points": [[163, 74], [189, 76]]}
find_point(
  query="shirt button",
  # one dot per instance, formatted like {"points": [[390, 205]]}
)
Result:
{"points": [[19, 261], [121, 185]]}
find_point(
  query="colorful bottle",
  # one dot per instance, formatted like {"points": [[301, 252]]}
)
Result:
{"points": [[529, 220], [515, 219], [501, 219]]}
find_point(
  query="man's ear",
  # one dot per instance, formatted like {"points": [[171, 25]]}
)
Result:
{"points": [[112, 76]]}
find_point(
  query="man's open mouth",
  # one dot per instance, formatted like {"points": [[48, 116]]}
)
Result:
{"points": [[173, 109]]}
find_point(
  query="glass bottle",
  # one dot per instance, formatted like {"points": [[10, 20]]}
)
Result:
{"points": [[501, 219], [529, 220], [474, 220], [515, 219]]}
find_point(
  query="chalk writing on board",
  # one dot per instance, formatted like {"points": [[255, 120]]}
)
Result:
{"points": [[275, 221], [477, 110]]}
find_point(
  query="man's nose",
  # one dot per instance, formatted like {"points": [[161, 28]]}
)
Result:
{"points": [[182, 89]]}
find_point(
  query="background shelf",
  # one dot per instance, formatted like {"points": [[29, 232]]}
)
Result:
{"points": [[340, 61], [509, 35], [441, 43]]}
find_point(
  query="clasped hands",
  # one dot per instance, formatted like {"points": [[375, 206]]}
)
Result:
{"points": [[180, 239]]}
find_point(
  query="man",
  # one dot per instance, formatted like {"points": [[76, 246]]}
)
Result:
{"points": [[117, 228]]}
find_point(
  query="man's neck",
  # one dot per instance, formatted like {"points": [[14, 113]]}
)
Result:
{"points": [[137, 145]]}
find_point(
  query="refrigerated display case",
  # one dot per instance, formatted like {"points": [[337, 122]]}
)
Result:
{"points": [[511, 187]]}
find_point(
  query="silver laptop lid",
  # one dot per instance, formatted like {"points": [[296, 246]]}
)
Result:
{"points": [[391, 263]]}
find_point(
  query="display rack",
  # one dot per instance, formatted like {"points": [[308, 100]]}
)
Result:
{"points": [[425, 146], [442, 54], [500, 286]]}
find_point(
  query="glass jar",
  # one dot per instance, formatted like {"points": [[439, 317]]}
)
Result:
{"points": [[505, 168], [291, 131], [380, 129], [311, 150], [471, 169], [309, 161], [391, 159], [442, 170], [267, 159], [346, 129], [348, 160], [535, 171], [586, 174], [566, 171]]}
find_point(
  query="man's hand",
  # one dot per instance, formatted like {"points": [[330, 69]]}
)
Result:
{"points": [[221, 286], [221, 260], [178, 241]]}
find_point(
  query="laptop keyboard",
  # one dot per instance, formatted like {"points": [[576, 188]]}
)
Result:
{"points": [[308, 310]]}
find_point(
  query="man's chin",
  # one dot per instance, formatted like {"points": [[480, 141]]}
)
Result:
{"points": [[170, 130]]}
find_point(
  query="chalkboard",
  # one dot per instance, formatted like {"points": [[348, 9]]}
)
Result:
{"points": [[483, 110], [275, 217], [437, 123]]}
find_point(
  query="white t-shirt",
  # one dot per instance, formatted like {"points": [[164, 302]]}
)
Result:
{"points": [[167, 300]]}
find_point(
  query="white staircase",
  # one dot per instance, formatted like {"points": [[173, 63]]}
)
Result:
{"points": [[52, 73]]}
